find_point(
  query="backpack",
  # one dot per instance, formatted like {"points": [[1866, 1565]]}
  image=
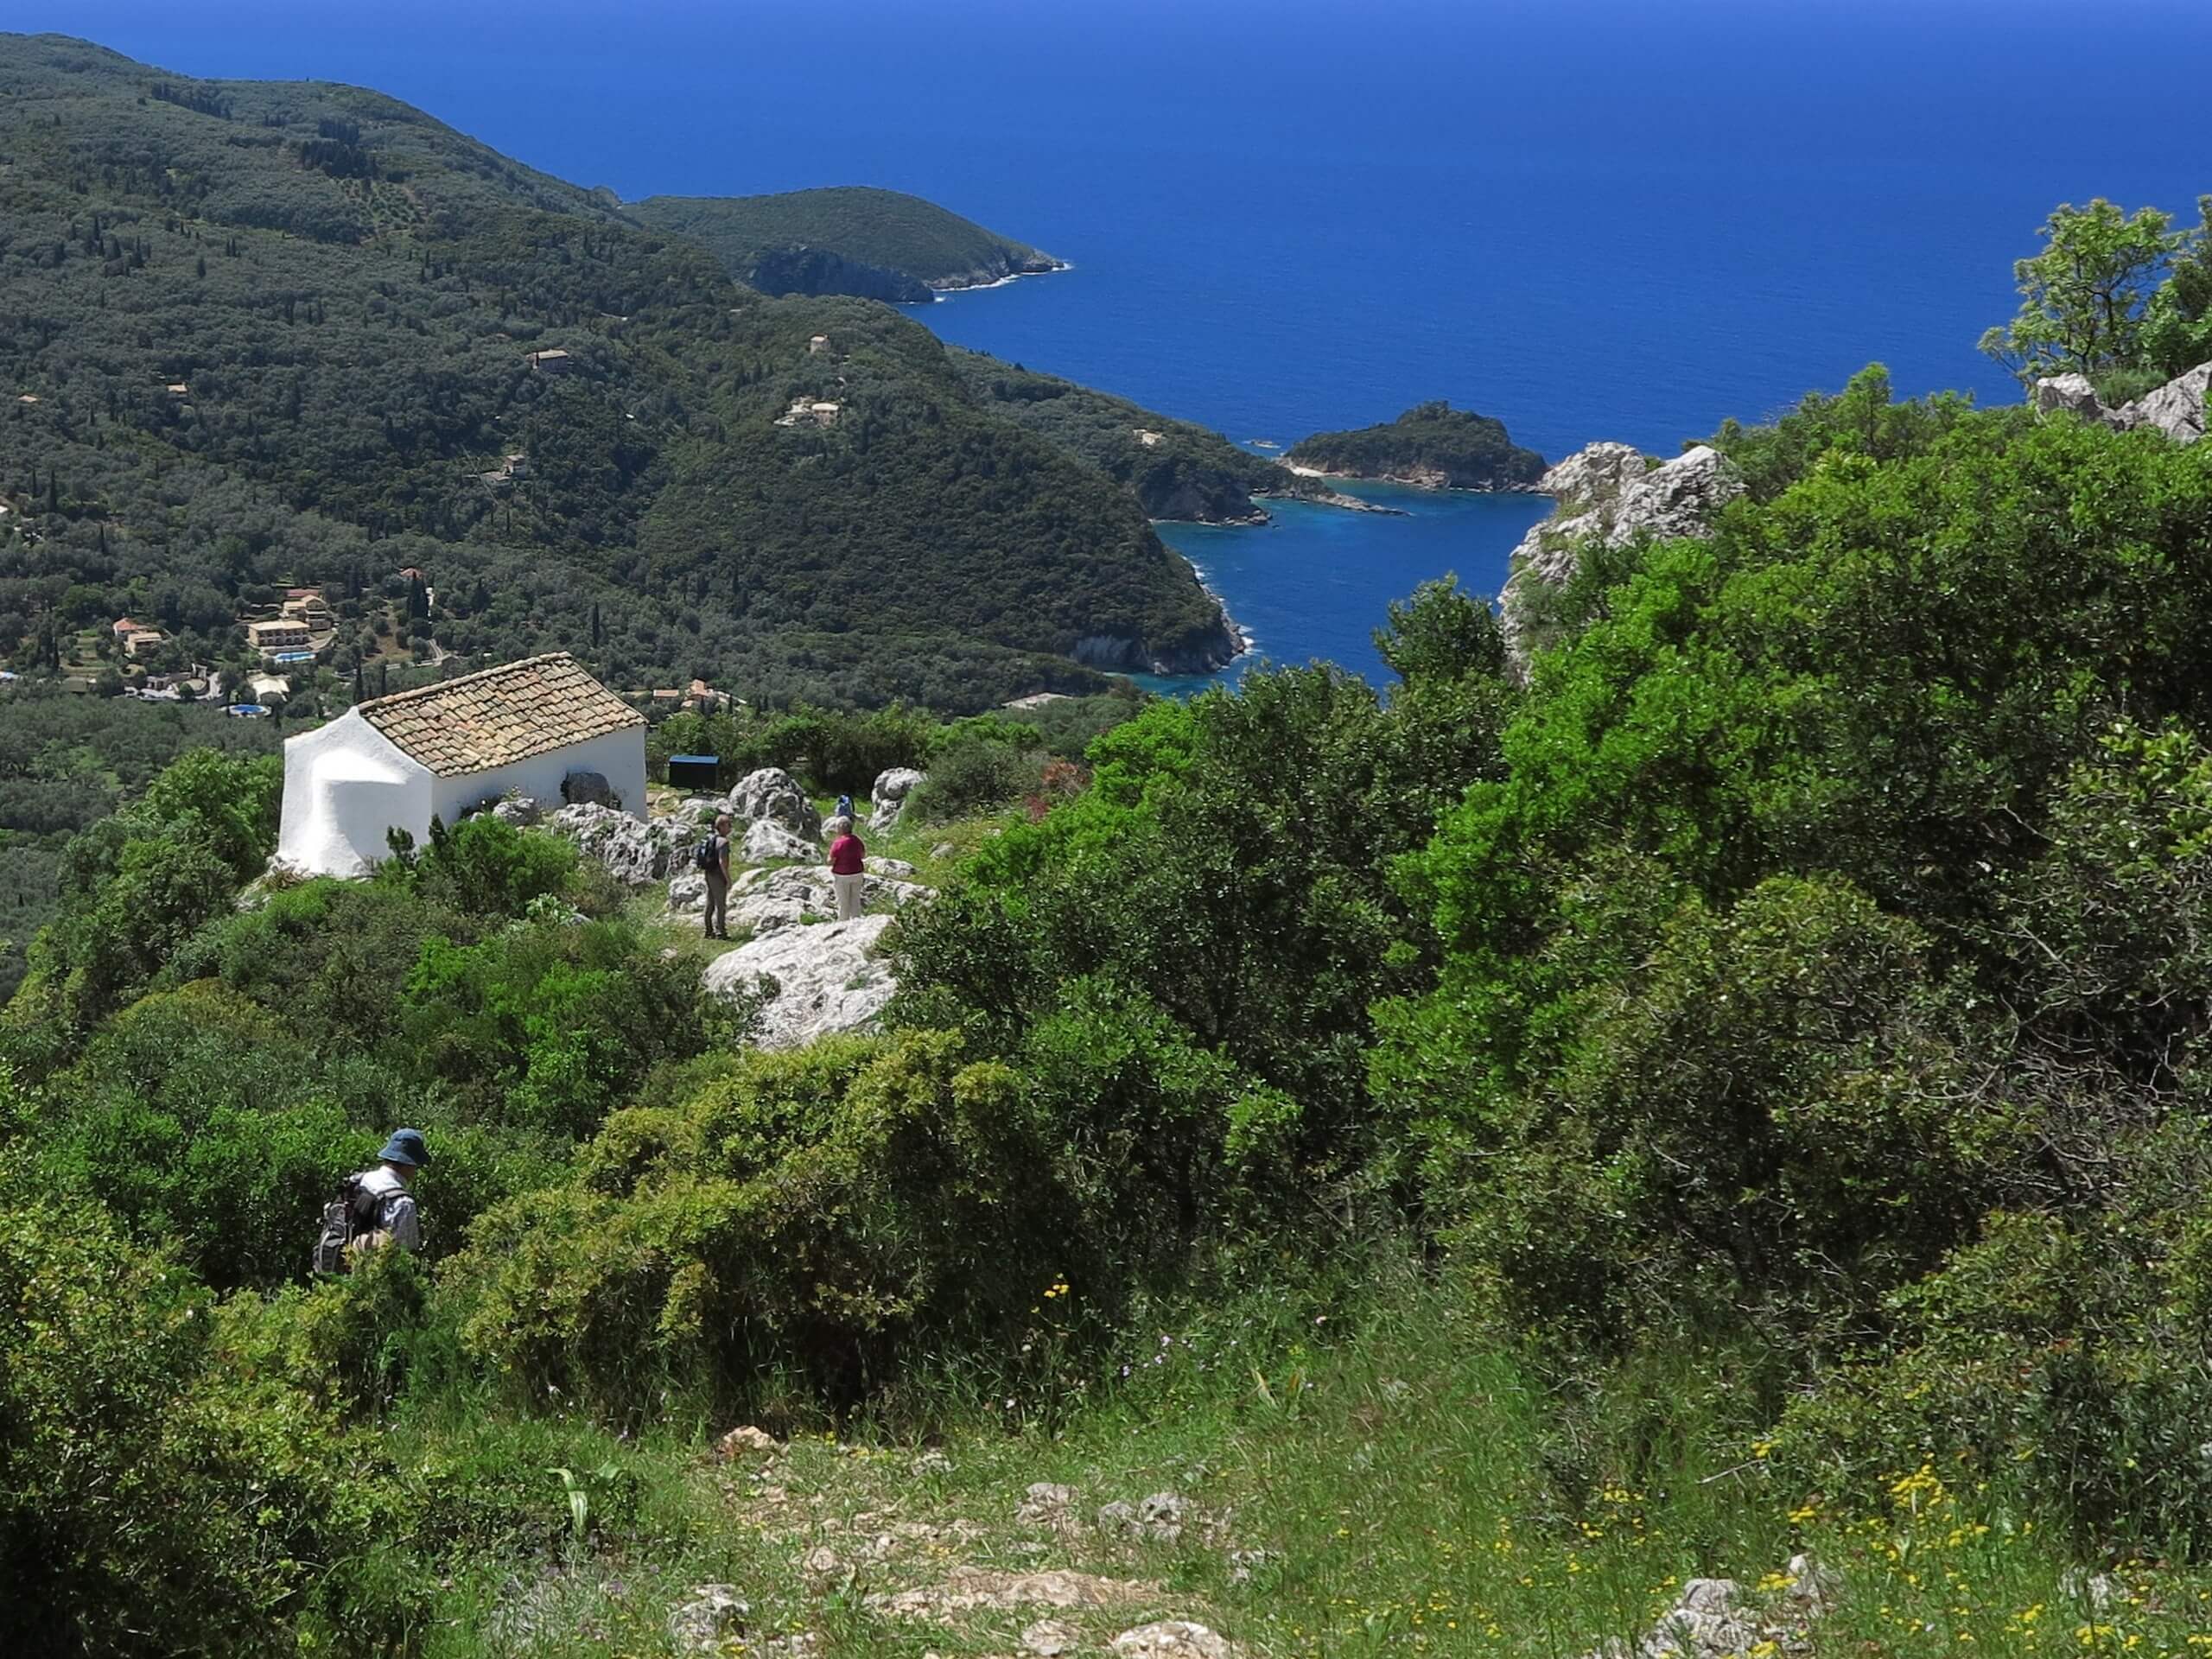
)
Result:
{"points": [[710, 856], [354, 1211]]}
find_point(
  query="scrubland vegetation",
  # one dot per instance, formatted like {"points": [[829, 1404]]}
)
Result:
{"points": [[1725, 1090]]}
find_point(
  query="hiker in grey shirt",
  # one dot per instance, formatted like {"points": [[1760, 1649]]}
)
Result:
{"points": [[386, 1197]]}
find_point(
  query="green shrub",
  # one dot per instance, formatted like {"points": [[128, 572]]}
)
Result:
{"points": [[822, 1214], [549, 1025], [151, 1496], [985, 768]]}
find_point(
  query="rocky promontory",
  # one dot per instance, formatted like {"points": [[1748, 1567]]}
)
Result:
{"points": [[1608, 495], [1432, 446]]}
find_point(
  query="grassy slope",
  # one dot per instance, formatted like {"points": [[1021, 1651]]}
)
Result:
{"points": [[1399, 1491], [349, 288], [884, 229]]}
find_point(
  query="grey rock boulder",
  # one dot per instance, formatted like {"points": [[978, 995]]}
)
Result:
{"points": [[2176, 408], [897, 869], [520, 811], [1607, 495], [768, 842], [766, 901], [1157, 1519], [1051, 1637], [827, 979], [1048, 1504], [888, 798], [635, 853], [686, 892], [2070, 393], [773, 794]]}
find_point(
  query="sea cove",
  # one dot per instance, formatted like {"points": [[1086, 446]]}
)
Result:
{"points": [[1316, 581]]}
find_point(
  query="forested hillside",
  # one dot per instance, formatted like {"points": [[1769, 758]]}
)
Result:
{"points": [[265, 334], [880, 245], [1178, 470]]}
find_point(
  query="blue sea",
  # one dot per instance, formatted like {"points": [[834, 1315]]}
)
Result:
{"points": [[1592, 219]]}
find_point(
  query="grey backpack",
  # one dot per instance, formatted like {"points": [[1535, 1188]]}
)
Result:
{"points": [[345, 1218]]}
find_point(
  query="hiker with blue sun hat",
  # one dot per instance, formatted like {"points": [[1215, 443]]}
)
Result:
{"points": [[376, 1207]]}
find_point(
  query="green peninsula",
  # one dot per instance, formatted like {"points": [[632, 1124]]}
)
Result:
{"points": [[1432, 445], [268, 335], [852, 239]]}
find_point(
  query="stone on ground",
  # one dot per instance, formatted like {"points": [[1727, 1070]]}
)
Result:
{"points": [[1157, 1518], [713, 1615], [520, 811], [827, 980], [686, 892], [2176, 408], [1051, 1637], [747, 1442], [968, 1589], [1048, 1504], [1172, 1638]]}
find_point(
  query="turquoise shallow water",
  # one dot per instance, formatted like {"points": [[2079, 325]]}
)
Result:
{"points": [[1315, 582]]}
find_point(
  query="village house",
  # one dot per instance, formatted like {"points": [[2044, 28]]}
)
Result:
{"points": [[265, 687], [141, 642], [532, 728], [178, 389], [309, 605], [125, 627], [279, 637], [556, 361]]}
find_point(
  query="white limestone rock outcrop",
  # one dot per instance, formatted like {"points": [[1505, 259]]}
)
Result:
{"points": [[774, 795], [1607, 495], [888, 798], [636, 853], [2176, 408], [828, 978], [769, 842], [687, 892], [767, 901]]}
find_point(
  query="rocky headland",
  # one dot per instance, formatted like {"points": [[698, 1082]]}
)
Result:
{"points": [[1432, 446]]}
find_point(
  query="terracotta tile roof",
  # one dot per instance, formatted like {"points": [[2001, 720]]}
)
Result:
{"points": [[500, 715]]}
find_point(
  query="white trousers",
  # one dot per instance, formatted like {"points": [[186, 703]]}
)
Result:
{"points": [[851, 895]]}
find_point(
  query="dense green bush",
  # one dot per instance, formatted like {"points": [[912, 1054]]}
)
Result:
{"points": [[549, 1026], [153, 1495], [820, 1214]]}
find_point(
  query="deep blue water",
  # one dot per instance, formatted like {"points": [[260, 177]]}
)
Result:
{"points": [[1590, 218]]}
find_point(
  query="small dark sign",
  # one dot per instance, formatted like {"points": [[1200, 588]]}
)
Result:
{"points": [[694, 771]]}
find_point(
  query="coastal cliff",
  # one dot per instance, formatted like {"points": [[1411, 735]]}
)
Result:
{"points": [[1432, 446]]}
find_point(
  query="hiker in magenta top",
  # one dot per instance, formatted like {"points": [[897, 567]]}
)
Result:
{"points": [[847, 870]]}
